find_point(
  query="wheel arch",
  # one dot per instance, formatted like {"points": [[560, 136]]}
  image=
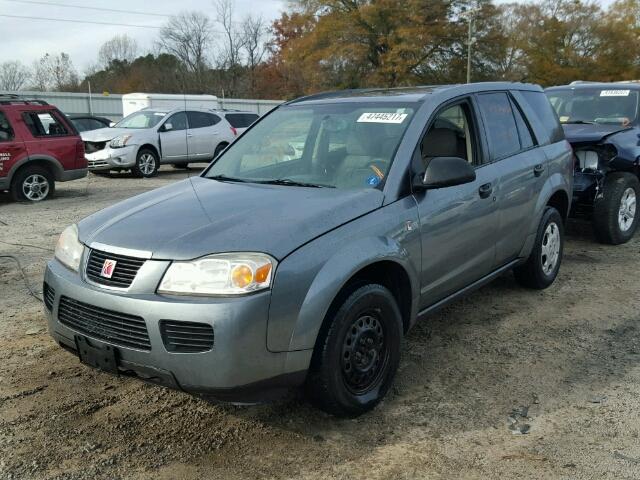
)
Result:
{"points": [[149, 146], [50, 163]]}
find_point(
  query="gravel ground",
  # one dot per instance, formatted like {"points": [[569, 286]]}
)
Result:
{"points": [[508, 383]]}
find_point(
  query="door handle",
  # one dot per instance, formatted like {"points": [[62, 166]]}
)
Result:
{"points": [[485, 190], [189, 135], [538, 169]]}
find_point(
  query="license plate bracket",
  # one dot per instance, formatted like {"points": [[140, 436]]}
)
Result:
{"points": [[102, 357]]}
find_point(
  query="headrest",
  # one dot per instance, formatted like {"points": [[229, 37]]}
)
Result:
{"points": [[439, 142]]}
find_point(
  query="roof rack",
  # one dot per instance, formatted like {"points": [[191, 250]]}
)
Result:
{"points": [[12, 99]]}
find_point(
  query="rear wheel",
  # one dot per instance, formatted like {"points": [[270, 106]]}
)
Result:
{"points": [[219, 149], [357, 357], [543, 264], [147, 164], [32, 184], [615, 218]]}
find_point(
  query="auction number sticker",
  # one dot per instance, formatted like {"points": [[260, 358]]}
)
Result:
{"points": [[380, 117], [615, 93]]}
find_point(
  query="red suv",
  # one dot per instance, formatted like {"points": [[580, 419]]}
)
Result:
{"points": [[38, 146]]}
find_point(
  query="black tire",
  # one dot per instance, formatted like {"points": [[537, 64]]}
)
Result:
{"points": [[41, 179], [606, 224], [147, 164], [540, 269], [362, 341], [180, 166], [219, 149]]}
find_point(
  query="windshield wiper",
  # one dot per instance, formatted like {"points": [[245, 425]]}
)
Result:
{"points": [[292, 183], [224, 178], [580, 122]]}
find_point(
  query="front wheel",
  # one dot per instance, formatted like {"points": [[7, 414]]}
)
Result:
{"points": [[147, 164], [543, 264], [614, 215], [356, 359]]}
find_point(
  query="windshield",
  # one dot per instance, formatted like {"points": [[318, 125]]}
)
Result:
{"points": [[617, 106], [342, 145], [143, 119]]}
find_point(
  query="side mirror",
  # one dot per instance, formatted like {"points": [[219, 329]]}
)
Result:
{"points": [[445, 172], [167, 127], [112, 124]]}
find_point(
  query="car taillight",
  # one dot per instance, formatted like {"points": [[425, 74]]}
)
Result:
{"points": [[234, 131]]}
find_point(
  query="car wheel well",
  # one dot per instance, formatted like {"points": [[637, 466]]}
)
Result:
{"points": [[560, 201], [148, 146], [390, 275], [46, 164]]}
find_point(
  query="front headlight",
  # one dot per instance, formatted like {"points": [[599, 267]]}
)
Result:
{"points": [[221, 274], [119, 141], [69, 249]]}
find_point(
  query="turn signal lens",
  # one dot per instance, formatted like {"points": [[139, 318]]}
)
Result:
{"points": [[241, 276], [262, 273]]}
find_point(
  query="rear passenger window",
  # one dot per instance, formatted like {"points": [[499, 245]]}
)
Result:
{"points": [[547, 117], [44, 124], [241, 120], [500, 124], [6, 132], [526, 140], [201, 119]]}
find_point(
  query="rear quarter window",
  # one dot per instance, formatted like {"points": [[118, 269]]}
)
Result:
{"points": [[46, 124], [546, 115], [241, 120]]}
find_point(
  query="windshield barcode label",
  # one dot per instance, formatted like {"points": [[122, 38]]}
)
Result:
{"points": [[382, 117], [615, 93]]}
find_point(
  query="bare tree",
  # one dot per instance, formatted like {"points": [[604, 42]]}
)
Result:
{"points": [[254, 30], [188, 36], [13, 75], [229, 58], [55, 72], [120, 47]]}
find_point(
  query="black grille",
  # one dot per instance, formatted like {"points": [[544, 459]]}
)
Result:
{"points": [[49, 295], [187, 337], [124, 273], [112, 327], [91, 147]]}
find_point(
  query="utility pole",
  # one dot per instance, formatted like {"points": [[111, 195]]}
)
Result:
{"points": [[470, 39]]}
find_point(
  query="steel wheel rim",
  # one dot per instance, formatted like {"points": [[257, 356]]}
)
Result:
{"points": [[35, 187], [627, 211], [147, 163], [364, 353], [550, 251]]}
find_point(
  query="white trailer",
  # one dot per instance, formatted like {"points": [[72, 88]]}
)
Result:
{"points": [[132, 102]]}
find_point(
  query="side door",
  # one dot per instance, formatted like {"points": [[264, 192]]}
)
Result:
{"points": [[202, 135], [457, 223], [173, 137], [12, 148], [513, 149]]}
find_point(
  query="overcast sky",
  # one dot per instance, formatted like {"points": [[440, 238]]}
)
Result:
{"points": [[28, 39]]}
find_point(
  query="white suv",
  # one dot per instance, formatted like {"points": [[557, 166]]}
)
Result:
{"points": [[145, 139]]}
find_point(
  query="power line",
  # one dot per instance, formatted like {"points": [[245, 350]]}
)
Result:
{"points": [[67, 5], [79, 21]]}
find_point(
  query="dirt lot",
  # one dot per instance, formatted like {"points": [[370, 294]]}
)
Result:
{"points": [[568, 359]]}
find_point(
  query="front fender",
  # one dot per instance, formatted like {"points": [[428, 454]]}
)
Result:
{"points": [[308, 280]]}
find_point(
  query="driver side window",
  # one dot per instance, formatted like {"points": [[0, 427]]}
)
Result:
{"points": [[450, 135]]}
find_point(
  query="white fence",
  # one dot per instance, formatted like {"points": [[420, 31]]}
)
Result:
{"points": [[110, 106]]}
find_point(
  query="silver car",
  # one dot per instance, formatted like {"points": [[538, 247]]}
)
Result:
{"points": [[310, 246], [150, 137]]}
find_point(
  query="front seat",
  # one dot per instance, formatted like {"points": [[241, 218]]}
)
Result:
{"points": [[364, 148], [440, 142]]}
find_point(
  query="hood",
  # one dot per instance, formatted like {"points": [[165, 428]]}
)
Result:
{"points": [[199, 216], [579, 133], [104, 134]]}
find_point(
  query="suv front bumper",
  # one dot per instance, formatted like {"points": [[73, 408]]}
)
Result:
{"points": [[238, 368], [112, 158]]}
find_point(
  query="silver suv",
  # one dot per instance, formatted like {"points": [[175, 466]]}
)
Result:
{"points": [[145, 139]]}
